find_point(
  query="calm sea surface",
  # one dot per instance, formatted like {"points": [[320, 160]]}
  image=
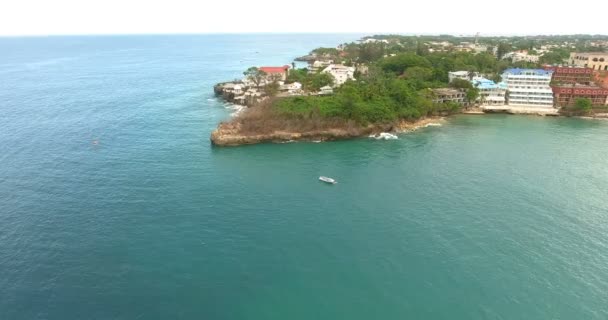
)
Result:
{"points": [[114, 205]]}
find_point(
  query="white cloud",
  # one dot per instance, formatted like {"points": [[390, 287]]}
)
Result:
{"points": [[28, 17]]}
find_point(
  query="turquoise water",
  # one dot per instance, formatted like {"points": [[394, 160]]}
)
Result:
{"points": [[115, 206]]}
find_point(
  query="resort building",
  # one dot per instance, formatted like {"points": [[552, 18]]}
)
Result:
{"points": [[522, 55], [528, 87], [317, 65], [566, 95], [490, 93], [373, 40], [292, 88], [443, 95], [341, 73], [463, 75], [564, 75], [593, 60], [276, 73]]}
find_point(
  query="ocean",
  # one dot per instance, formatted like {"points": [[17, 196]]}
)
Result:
{"points": [[114, 204]]}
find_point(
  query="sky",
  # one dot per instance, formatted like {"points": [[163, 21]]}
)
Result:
{"points": [[70, 17]]}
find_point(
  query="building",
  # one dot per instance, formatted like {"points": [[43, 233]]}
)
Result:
{"points": [[326, 90], [443, 95], [276, 73], [341, 73], [601, 78], [566, 95], [317, 65], [373, 40], [563, 75], [522, 55], [463, 75], [490, 93], [528, 87], [291, 88], [593, 60]]}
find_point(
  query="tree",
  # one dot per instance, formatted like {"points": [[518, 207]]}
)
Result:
{"points": [[419, 73], [461, 84], [583, 104], [502, 49], [255, 75], [316, 81], [399, 63], [472, 95], [271, 89]]}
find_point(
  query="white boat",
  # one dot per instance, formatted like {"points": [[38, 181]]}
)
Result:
{"points": [[328, 180]]}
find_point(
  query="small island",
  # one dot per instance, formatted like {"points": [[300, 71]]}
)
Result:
{"points": [[398, 83]]}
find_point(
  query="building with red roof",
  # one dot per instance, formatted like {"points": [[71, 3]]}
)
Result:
{"points": [[276, 73]]}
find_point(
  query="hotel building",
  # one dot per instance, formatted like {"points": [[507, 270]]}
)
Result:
{"points": [[528, 87]]}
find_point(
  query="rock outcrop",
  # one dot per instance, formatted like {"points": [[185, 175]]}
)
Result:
{"points": [[231, 133]]}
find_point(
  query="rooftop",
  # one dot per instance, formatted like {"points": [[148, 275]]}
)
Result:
{"points": [[531, 72], [483, 83], [447, 91], [591, 53], [275, 69]]}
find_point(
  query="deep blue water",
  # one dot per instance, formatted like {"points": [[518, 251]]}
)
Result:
{"points": [[114, 205]]}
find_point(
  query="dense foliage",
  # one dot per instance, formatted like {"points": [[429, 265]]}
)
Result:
{"points": [[310, 81], [583, 104], [375, 98]]}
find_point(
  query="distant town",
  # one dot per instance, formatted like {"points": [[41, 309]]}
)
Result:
{"points": [[388, 78]]}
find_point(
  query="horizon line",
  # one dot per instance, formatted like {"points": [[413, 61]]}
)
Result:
{"points": [[368, 33]]}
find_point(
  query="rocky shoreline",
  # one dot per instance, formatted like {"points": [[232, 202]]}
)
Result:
{"points": [[230, 133]]}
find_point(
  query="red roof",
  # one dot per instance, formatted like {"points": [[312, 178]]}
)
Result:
{"points": [[282, 69]]}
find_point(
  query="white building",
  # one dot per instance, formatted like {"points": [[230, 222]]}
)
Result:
{"points": [[317, 65], [326, 90], [291, 87], [463, 75], [523, 55], [490, 93], [372, 40], [529, 87], [341, 73]]}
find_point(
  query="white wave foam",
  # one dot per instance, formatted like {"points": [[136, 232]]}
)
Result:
{"points": [[235, 108], [432, 124], [384, 136]]}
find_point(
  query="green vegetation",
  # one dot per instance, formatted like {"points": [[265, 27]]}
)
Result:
{"points": [[583, 104], [271, 89], [310, 81], [378, 97], [472, 95]]}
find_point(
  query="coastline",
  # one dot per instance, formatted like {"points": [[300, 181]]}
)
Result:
{"points": [[229, 134]]}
